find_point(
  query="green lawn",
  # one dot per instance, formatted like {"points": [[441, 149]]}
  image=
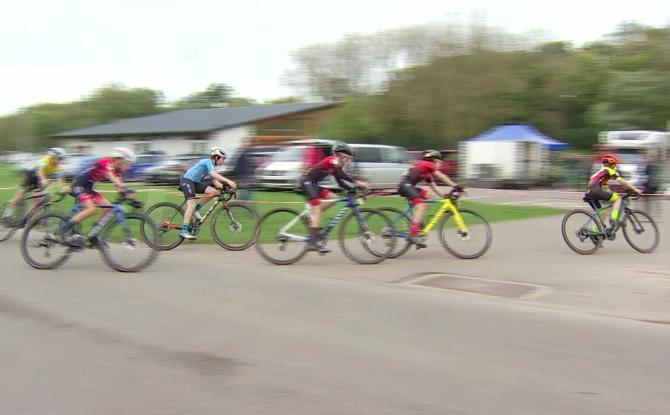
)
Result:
{"points": [[265, 201]]}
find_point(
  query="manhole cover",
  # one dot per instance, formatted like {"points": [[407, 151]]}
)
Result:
{"points": [[478, 285]]}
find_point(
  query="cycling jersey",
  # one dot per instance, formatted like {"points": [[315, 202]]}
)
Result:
{"points": [[326, 167], [82, 184], [602, 177], [422, 170], [96, 170], [199, 170], [309, 183], [48, 166]]}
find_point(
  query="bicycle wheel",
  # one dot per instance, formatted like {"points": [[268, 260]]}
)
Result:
{"points": [[401, 223], [368, 242], [582, 231], [8, 224], [235, 228], [282, 236], [475, 243], [129, 248], [40, 244], [640, 231], [169, 218]]}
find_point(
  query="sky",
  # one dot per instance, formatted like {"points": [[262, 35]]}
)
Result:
{"points": [[59, 51]]}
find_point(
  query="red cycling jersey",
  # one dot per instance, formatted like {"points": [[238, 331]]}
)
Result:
{"points": [[326, 167], [97, 170], [422, 170]]}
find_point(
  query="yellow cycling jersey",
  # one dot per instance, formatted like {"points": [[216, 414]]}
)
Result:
{"points": [[48, 166]]}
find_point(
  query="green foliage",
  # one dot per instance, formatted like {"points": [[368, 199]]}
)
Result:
{"points": [[456, 92]]}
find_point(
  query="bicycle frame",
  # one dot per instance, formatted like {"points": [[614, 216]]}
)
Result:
{"points": [[445, 205], [115, 209], [350, 205]]}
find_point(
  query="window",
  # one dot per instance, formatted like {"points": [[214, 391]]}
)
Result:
{"points": [[198, 147], [141, 147], [367, 154]]}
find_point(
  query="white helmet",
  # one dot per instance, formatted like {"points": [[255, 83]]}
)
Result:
{"points": [[125, 154], [56, 152], [218, 151]]}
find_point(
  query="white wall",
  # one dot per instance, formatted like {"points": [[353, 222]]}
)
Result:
{"points": [[507, 157], [230, 139]]}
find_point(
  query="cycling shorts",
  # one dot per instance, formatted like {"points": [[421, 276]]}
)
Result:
{"points": [[190, 188], [313, 192], [412, 193]]}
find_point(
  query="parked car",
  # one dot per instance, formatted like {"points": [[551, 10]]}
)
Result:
{"points": [[290, 162], [143, 162], [170, 169], [380, 165]]}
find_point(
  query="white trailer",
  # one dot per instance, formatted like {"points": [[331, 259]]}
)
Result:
{"points": [[637, 148], [503, 163]]}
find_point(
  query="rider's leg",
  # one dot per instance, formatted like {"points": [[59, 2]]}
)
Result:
{"points": [[616, 205], [89, 205], [12, 202]]}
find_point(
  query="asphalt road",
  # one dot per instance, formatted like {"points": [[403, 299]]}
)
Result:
{"points": [[205, 331]]}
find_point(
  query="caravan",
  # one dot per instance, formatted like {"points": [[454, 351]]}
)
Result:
{"points": [[635, 149]]}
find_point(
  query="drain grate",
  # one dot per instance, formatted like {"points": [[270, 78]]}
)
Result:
{"points": [[497, 288]]}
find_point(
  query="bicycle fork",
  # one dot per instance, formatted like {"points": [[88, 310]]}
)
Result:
{"points": [[447, 205]]}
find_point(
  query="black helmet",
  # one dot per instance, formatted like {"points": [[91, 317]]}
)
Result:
{"points": [[342, 148], [432, 155]]}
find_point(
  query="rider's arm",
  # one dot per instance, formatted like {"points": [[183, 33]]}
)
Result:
{"points": [[444, 178], [222, 179], [118, 183], [627, 185], [437, 190]]}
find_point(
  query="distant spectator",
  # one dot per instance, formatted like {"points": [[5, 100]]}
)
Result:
{"points": [[244, 173], [650, 185]]}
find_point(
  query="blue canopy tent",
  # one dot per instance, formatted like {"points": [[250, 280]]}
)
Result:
{"points": [[519, 132]]}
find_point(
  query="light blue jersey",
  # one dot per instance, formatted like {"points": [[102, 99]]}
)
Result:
{"points": [[199, 170]]}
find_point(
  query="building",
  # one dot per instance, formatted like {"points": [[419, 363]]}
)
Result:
{"points": [[195, 130]]}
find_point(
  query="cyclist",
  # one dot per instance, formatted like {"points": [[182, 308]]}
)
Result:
{"points": [[423, 170], [110, 168], [194, 181], [309, 184], [38, 177], [598, 189]]}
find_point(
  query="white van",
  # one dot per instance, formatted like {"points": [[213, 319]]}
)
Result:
{"points": [[380, 165]]}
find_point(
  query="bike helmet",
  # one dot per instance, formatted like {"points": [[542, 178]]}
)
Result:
{"points": [[610, 159], [218, 151], [432, 155], [342, 148], [57, 152], [125, 154]]}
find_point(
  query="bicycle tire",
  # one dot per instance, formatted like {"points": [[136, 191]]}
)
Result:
{"points": [[109, 242], [267, 237], [166, 224], [582, 232], [242, 220], [631, 219], [475, 219], [402, 243], [377, 254], [59, 219]]}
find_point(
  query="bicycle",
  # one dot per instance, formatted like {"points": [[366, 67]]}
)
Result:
{"points": [[10, 224], [284, 233], [589, 233], [115, 235], [237, 234], [463, 232]]}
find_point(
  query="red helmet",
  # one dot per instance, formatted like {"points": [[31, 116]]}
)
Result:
{"points": [[610, 159]]}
